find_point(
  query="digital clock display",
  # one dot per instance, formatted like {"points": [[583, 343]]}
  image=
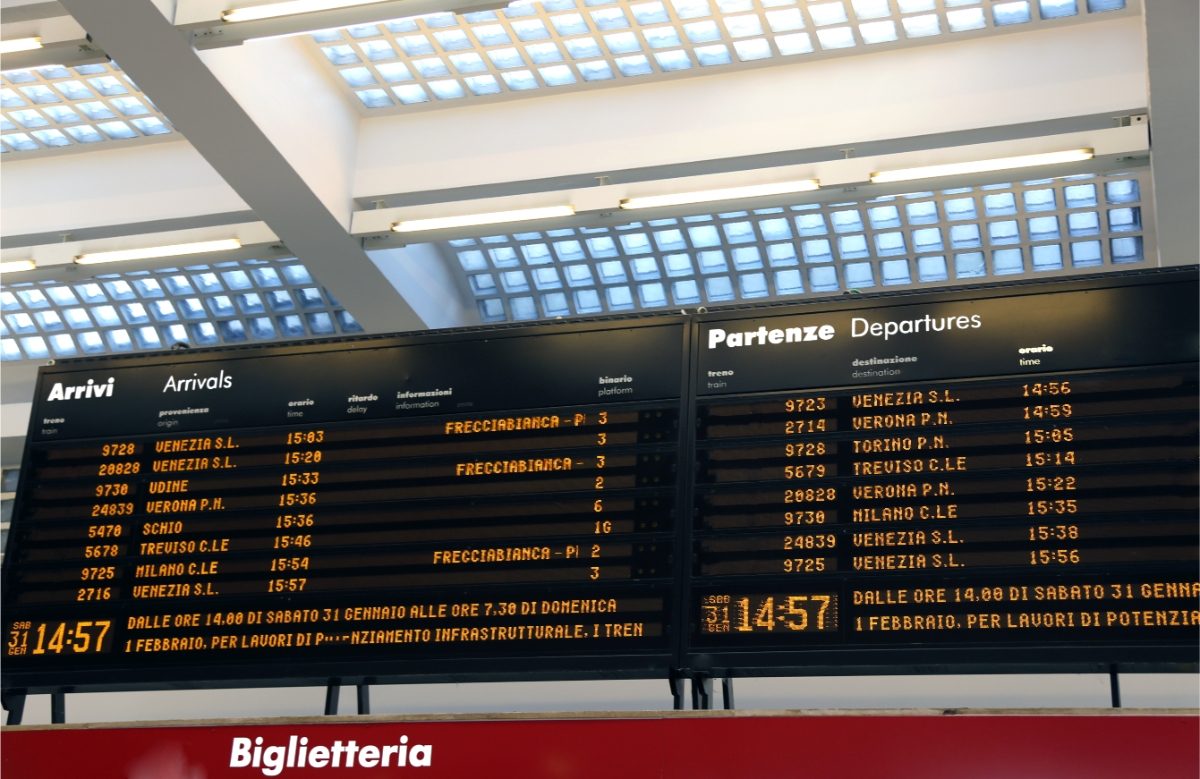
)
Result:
{"points": [[886, 483], [769, 613], [56, 638]]}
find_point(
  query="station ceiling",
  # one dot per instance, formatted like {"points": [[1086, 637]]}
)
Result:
{"points": [[314, 144]]}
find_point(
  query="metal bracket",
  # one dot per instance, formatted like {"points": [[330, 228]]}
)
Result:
{"points": [[702, 695], [727, 691], [675, 680], [1131, 120]]}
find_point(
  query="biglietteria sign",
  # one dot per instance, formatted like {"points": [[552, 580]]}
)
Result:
{"points": [[302, 752]]}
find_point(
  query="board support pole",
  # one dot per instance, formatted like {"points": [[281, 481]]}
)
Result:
{"points": [[364, 698], [14, 704], [331, 698], [58, 707], [702, 691], [675, 680]]}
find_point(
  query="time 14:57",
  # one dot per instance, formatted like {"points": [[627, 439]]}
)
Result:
{"points": [[78, 637]]}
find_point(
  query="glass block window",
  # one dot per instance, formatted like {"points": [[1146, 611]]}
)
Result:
{"points": [[968, 235], [546, 45], [57, 107], [246, 301]]}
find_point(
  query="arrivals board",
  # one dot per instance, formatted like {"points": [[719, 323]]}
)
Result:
{"points": [[976, 478], [993, 479], [426, 507]]}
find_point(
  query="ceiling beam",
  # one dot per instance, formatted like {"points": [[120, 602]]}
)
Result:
{"points": [[202, 18], [164, 65], [1173, 60]]}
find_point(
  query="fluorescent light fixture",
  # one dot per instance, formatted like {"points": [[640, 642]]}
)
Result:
{"points": [[14, 45], [288, 8], [469, 220], [152, 252], [17, 265], [728, 193], [982, 166]]}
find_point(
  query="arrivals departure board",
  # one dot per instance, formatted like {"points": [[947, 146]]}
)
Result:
{"points": [[436, 507], [1010, 478], [975, 478]]}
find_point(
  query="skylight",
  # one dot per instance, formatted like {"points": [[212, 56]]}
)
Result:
{"points": [[55, 107], [447, 59], [997, 232], [249, 301]]}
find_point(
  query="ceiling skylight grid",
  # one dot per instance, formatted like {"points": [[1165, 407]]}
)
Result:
{"points": [[969, 235], [441, 58], [224, 303], [55, 107]]}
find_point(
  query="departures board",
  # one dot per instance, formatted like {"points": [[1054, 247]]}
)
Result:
{"points": [[974, 478], [1010, 478]]}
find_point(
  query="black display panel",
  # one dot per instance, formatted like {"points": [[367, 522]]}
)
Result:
{"points": [[475, 506], [979, 478], [989, 480]]}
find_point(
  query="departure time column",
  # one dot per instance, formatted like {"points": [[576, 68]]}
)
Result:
{"points": [[1052, 485]]}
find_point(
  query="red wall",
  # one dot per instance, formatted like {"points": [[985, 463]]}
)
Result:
{"points": [[718, 745]]}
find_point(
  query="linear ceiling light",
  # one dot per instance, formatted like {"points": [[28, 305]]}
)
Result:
{"points": [[288, 8], [14, 45], [153, 252], [982, 166], [728, 193], [17, 265], [469, 220]]}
